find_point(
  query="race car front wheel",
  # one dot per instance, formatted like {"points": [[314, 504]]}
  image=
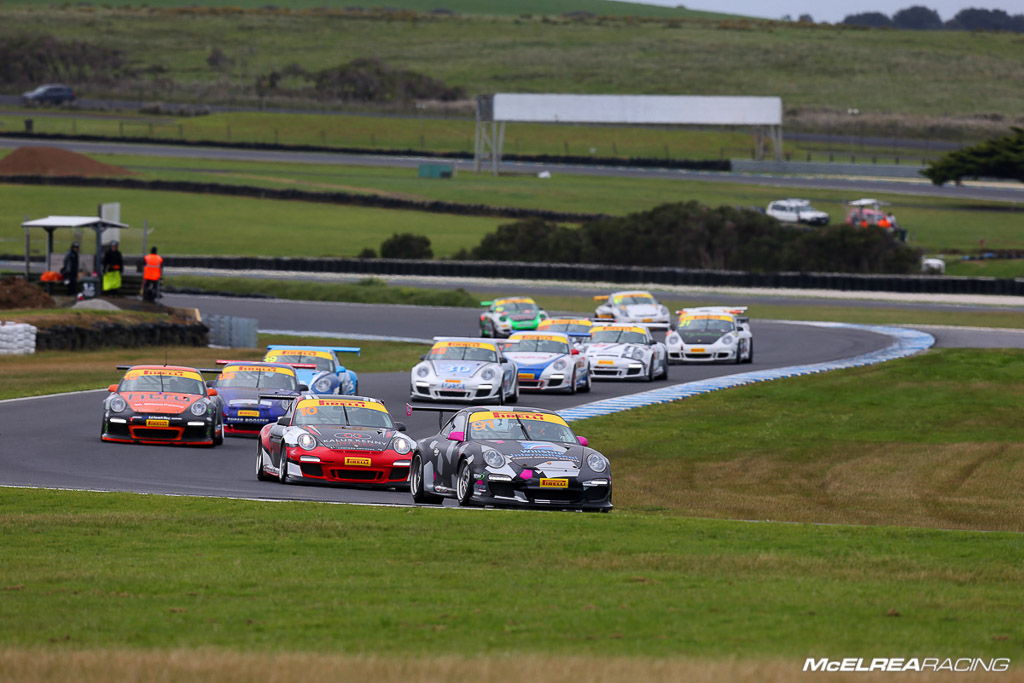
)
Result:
{"points": [[419, 494], [282, 470], [260, 474], [464, 484]]}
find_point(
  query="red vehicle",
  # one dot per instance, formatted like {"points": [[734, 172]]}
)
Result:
{"points": [[162, 404], [345, 439]]}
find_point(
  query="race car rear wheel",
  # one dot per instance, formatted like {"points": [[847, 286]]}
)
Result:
{"points": [[419, 494], [260, 474], [464, 484]]}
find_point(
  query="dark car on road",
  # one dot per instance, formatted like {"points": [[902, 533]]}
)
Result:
{"points": [[51, 93]]}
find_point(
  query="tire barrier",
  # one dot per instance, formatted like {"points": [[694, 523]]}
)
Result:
{"points": [[119, 335], [626, 275], [343, 198], [906, 342], [639, 162]]}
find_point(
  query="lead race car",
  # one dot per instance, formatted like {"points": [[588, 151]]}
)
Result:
{"points": [[637, 307], [626, 352], [327, 375], [240, 386], [711, 334], [547, 361], [465, 369], [162, 404], [508, 315], [491, 455], [349, 440]]}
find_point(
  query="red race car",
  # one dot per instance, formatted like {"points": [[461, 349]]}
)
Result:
{"points": [[162, 404], [347, 440]]}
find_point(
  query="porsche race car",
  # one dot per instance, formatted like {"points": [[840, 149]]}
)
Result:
{"points": [[505, 316], [626, 352], [240, 386], [578, 329], [632, 307], [465, 369], [548, 361], [327, 376], [491, 455], [344, 439], [711, 334], [162, 404]]}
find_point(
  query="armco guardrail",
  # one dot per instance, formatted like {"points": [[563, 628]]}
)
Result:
{"points": [[583, 272]]}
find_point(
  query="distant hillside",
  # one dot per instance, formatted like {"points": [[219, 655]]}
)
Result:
{"points": [[477, 7]]}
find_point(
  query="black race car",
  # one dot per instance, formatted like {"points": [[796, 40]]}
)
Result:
{"points": [[494, 455]]}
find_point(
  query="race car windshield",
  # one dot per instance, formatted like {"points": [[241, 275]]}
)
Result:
{"points": [[320, 362], [339, 415], [519, 308], [632, 299], [538, 346], [256, 379], [617, 337], [163, 384], [519, 429], [462, 353], [705, 325]]}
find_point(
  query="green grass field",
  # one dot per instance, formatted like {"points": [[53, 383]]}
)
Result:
{"points": [[947, 73]]}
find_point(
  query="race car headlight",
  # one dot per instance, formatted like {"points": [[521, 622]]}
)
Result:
{"points": [[116, 404], [487, 374], [559, 365], [636, 353], [199, 408], [306, 442], [543, 315], [673, 339], [323, 384], [502, 318], [727, 339], [664, 311], [422, 370], [494, 459], [597, 462], [401, 445]]}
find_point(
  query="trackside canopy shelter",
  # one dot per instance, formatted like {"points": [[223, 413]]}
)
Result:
{"points": [[52, 223], [493, 111]]}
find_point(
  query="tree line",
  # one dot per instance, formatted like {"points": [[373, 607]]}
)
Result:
{"points": [[920, 18]]}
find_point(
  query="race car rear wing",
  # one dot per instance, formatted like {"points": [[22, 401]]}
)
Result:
{"points": [[299, 366], [336, 349], [214, 371], [601, 297], [440, 410]]}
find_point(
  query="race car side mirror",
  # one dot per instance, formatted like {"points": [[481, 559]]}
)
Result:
{"points": [[112, 388], [400, 426], [457, 436], [303, 387], [283, 420], [211, 392], [583, 440], [504, 358], [425, 356], [575, 352]]}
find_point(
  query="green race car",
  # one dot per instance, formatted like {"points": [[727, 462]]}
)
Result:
{"points": [[512, 314]]}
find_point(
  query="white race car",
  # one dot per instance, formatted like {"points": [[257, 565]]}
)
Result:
{"points": [[626, 352], [511, 314], [548, 361], [465, 369], [624, 308], [711, 334]]}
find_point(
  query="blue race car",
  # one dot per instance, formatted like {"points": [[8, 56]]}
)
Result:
{"points": [[327, 375], [244, 387]]}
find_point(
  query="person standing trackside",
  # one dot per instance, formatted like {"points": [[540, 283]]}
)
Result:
{"points": [[151, 273], [69, 270], [113, 266]]}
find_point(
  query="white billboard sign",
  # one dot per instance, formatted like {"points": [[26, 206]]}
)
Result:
{"points": [[639, 109]]}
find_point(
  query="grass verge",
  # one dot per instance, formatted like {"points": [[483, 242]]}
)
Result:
{"points": [[368, 290], [95, 570]]}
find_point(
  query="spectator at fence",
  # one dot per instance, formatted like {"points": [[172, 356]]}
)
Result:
{"points": [[69, 271], [113, 266]]}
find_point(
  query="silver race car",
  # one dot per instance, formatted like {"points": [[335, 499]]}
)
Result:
{"points": [[547, 361], [711, 334], [626, 352], [632, 307], [465, 369]]}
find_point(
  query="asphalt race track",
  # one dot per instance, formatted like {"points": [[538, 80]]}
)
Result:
{"points": [[53, 442]]}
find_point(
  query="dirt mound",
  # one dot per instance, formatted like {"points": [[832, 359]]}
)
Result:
{"points": [[16, 292], [52, 161]]}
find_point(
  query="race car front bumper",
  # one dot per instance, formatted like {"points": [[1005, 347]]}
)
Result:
{"points": [[348, 467], [537, 381], [617, 368], [574, 493], [425, 390], [695, 353], [159, 429]]}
